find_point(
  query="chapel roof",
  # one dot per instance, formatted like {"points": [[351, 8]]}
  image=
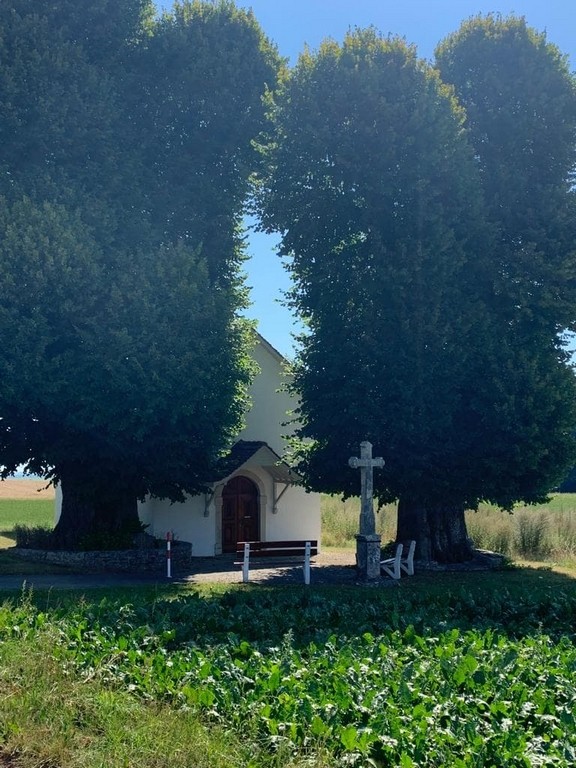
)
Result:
{"points": [[239, 454], [271, 349], [242, 451]]}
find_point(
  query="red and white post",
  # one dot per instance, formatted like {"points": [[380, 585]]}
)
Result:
{"points": [[169, 537]]}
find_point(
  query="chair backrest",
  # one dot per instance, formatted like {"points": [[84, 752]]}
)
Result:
{"points": [[407, 563], [391, 566]]}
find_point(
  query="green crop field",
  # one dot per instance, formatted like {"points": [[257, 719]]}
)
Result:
{"points": [[445, 670], [453, 669]]}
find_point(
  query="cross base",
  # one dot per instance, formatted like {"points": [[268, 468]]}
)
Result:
{"points": [[368, 556]]}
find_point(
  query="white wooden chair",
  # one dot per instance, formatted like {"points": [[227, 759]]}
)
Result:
{"points": [[392, 565], [407, 563]]}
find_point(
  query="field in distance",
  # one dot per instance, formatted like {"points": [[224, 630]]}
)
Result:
{"points": [[25, 488]]}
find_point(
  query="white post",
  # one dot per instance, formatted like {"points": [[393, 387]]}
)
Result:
{"points": [[307, 563], [246, 563], [169, 554]]}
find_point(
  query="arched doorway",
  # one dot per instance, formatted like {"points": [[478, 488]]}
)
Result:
{"points": [[240, 512]]}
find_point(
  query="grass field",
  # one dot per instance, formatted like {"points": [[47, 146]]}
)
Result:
{"points": [[24, 502], [31, 513]]}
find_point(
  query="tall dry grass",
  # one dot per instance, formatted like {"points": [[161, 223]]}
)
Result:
{"points": [[539, 533], [544, 532], [340, 521]]}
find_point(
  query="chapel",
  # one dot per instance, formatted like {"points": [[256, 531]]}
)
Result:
{"points": [[254, 496]]}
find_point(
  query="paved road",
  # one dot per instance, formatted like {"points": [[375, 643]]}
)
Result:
{"points": [[75, 581]]}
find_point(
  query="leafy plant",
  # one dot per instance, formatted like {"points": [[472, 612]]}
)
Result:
{"points": [[33, 537], [427, 677], [115, 538]]}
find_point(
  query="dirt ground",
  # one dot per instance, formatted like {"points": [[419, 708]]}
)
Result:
{"points": [[25, 488]]}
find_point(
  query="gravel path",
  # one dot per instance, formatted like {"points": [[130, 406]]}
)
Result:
{"points": [[332, 568]]}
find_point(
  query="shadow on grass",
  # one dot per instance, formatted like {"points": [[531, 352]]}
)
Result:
{"points": [[515, 602]]}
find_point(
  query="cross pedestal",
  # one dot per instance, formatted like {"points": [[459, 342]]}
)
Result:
{"points": [[367, 541], [368, 556]]}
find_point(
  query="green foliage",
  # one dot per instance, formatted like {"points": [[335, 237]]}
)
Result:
{"points": [[372, 185], [33, 537], [127, 147], [520, 100], [431, 245], [568, 485], [429, 677], [50, 717]]}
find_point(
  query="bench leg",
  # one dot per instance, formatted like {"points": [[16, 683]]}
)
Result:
{"points": [[246, 564], [307, 564]]}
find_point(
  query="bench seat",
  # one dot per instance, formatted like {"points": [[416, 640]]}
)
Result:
{"points": [[301, 550]]}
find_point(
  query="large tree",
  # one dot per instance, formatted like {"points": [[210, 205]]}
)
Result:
{"points": [[520, 105], [378, 196], [125, 161], [520, 101]]}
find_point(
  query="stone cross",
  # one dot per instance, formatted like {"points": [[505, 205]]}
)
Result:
{"points": [[367, 541], [366, 465]]}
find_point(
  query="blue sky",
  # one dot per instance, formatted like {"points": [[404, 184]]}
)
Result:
{"points": [[293, 23]]}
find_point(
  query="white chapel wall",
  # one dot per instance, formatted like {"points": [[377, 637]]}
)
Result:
{"points": [[186, 520], [270, 403], [297, 517]]}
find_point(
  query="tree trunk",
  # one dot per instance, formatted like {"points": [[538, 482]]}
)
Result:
{"points": [[439, 531], [95, 519]]}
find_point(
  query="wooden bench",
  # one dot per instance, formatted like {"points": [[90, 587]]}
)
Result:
{"points": [[300, 550], [393, 566]]}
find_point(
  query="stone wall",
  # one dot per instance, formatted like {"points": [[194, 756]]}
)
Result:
{"points": [[120, 561]]}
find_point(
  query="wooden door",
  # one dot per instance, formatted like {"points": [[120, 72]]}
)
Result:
{"points": [[240, 513]]}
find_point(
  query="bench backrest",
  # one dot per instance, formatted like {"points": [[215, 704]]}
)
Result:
{"points": [[278, 548]]}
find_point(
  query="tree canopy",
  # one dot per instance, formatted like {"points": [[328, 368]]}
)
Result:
{"points": [[520, 101], [412, 288], [125, 162]]}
